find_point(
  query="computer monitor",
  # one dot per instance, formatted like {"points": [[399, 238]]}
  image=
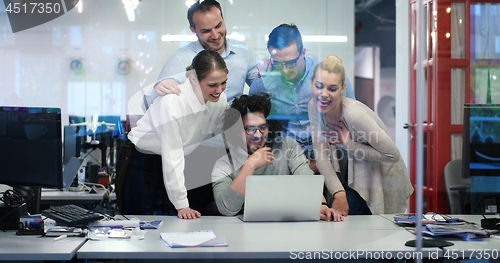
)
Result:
{"points": [[104, 134], [106, 124], [481, 140], [31, 149], [74, 138], [481, 157]]}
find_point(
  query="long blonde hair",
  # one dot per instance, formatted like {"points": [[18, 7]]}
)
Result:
{"points": [[332, 64]]}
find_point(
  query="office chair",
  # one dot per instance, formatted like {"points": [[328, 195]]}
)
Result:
{"points": [[456, 188]]}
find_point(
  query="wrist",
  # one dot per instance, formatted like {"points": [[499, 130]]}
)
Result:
{"points": [[325, 204], [250, 164], [339, 194]]}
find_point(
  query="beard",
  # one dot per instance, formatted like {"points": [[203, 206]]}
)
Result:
{"points": [[206, 46]]}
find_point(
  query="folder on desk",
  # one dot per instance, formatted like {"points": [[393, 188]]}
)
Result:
{"points": [[154, 224], [203, 238], [463, 231], [411, 221]]}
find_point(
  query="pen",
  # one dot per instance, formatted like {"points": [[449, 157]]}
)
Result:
{"points": [[60, 237]]}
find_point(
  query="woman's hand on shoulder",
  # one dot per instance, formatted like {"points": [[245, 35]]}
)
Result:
{"points": [[188, 213]]}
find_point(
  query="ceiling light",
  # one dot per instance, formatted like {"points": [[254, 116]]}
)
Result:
{"points": [[190, 38], [318, 38]]}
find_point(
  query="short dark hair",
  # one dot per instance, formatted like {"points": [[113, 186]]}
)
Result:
{"points": [[204, 6], [206, 61], [284, 36], [245, 104]]}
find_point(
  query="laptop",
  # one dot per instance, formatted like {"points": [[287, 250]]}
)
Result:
{"points": [[271, 198], [70, 171]]}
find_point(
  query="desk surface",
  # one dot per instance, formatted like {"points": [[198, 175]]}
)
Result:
{"points": [[261, 240], [13, 247], [57, 195], [357, 237]]}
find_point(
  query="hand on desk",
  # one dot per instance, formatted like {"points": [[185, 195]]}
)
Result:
{"points": [[328, 214], [340, 203], [188, 213]]}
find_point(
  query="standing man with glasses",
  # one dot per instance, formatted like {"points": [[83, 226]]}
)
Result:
{"points": [[281, 156], [286, 77]]}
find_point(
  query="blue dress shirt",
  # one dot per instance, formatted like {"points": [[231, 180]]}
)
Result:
{"points": [[240, 61], [289, 101]]}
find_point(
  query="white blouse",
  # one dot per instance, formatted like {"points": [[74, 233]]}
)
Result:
{"points": [[175, 126]]}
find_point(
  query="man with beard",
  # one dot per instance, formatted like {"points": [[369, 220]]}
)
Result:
{"points": [[280, 156], [207, 23]]}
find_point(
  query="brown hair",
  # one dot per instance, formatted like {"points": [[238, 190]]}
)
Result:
{"points": [[205, 62], [204, 6]]}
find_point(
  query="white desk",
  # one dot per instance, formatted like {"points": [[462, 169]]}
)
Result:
{"points": [[57, 195], [30, 248], [261, 240]]}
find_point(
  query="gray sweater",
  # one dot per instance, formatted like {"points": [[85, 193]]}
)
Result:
{"points": [[376, 170], [289, 159]]}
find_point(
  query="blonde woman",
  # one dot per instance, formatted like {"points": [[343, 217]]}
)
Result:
{"points": [[362, 166]]}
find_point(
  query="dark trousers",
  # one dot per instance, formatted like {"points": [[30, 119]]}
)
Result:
{"points": [[139, 182], [357, 205]]}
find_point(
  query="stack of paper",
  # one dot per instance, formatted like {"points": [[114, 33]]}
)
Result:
{"points": [[463, 231], [411, 220], [204, 238]]}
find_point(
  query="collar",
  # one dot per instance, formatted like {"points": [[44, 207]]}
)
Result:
{"points": [[229, 48], [308, 68], [191, 98]]}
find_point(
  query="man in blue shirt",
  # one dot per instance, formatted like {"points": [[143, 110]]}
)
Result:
{"points": [[207, 23], [286, 77]]}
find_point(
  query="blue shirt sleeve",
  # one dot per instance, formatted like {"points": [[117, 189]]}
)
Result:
{"points": [[349, 92], [257, 87], [252, 68]]}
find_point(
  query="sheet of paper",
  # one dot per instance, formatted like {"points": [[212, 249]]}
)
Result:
{"points": [[193, 238]]}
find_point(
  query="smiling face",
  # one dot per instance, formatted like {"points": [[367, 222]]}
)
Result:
{"points": [[258, 139], [327, 89], [213, 85], [288, 56], [210, 29]]}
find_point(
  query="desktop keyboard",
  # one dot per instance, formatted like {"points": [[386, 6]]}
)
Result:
{"points": [[71, 215]]}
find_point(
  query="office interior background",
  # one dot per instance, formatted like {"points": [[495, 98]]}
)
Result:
{"points": [[98, 57]]}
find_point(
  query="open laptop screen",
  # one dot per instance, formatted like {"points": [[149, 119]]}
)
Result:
{"points": [[283, 197]]}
